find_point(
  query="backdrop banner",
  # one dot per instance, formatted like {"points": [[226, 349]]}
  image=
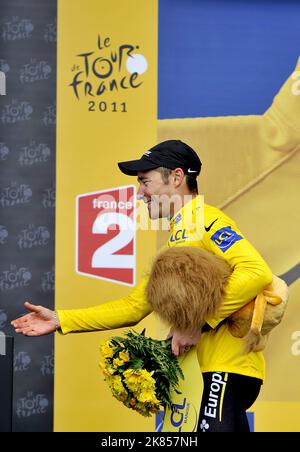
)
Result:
{"points": [[106, 107], [27, 196]]}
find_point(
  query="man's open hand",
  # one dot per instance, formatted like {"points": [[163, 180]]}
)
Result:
{"points": [[38, 322]]}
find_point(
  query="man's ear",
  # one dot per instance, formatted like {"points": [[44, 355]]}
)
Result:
{"points": [[178, 176]]}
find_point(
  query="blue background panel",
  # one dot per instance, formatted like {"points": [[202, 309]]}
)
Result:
{"points": [[224, 57]]}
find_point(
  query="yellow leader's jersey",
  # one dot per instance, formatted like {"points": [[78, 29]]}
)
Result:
{"points": [[217, 350]]}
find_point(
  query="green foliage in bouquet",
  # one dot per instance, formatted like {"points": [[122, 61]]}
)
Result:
{"points": [[140, 371]]}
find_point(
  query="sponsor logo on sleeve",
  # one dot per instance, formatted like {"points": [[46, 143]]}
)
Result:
{"points": [[225, 237]]}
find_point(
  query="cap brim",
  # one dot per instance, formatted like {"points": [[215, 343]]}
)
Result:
{"points": [[132, 167]]}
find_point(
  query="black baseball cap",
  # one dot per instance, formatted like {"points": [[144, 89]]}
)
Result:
{"points": [[168, 154]]}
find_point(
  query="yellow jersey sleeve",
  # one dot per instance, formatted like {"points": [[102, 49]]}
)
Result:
{"points": [[250, 273], [126, 311]]}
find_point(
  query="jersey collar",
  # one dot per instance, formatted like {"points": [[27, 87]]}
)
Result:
{"points": [[189, 214]]}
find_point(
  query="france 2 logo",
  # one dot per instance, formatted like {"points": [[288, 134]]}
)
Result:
{"points": [[105, 235]]}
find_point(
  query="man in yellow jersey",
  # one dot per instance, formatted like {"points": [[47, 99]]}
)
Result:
{"points": [[232, 379]]}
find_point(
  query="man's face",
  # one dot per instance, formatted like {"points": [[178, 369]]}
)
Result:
{"points": [[156, 194]]}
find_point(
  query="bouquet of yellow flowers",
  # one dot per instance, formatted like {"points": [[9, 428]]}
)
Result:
{"points": [[140, 371]]}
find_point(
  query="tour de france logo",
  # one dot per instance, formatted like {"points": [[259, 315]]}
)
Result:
{"points": [[102, 76]]}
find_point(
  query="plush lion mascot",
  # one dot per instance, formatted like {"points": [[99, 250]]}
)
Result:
{"points": [[186, 286]]}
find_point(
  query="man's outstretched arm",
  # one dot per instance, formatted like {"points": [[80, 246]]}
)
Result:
{"points": [[126, 311]]}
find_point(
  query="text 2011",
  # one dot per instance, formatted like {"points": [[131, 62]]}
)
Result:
{"points": [[114, 107]]}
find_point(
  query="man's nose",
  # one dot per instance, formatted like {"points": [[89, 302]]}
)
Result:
{"points": [[140, 193]]}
